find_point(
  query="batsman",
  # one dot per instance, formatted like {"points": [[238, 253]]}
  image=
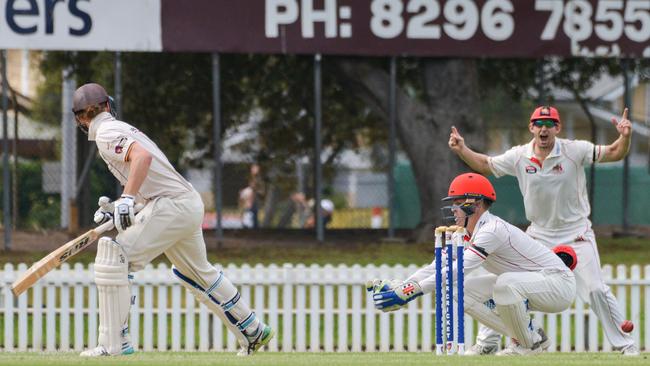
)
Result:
{"points": [[169, 223]]}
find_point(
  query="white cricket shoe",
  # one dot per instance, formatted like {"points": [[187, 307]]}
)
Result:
{"points": [[515, 349], [630, 350], [481, 350], [262, 339], [100, 351]]}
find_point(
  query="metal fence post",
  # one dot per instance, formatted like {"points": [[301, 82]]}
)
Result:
{"points": [[216, 135], [6, 183], [318, 170]]}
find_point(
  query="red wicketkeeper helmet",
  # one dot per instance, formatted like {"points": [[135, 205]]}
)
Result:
{"points": [[471, 185]]}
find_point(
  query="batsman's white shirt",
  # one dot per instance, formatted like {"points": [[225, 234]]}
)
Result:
{"points": [[555, 191], [114, 139], [170, 222]]}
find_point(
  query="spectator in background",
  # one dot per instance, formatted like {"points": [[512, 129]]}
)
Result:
{"points": [[326, 211], [301, 208], [305, 210], [249, 198]]}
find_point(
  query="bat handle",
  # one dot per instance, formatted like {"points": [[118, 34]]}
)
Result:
{"points": [[108, 225]]}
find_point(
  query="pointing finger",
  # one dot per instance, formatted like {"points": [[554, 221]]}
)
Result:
{"points": [[625, 113], [454, 130]]}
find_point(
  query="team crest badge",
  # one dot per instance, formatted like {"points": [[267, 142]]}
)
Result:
{"points": [[531, 169], [557, 169], [120, 145]]}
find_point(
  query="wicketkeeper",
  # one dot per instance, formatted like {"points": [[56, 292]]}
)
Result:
{"points": [[523, 274], [169, 223]]}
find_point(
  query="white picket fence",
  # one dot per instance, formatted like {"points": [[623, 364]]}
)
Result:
{"points": [[314, 308]]}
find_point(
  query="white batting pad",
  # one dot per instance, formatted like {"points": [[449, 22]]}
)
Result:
{"points": [[223, 299], [112, 279]]}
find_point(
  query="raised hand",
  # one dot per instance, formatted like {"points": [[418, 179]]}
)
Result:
{"points": [[456, 141], [624, 126]]}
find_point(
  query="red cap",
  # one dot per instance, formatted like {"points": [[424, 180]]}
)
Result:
{"points": [[471, 185], [545, 112]]}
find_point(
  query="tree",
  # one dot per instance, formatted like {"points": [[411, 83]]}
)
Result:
{"points": [[169, 96], [448, 95]]}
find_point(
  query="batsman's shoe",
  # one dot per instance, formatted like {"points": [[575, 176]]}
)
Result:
{"points": [[481, 350], [630, 350], [99, 351], [262, 339]]}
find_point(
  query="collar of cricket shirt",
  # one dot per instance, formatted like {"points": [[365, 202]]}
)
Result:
{"points": [[95, 123], [485, 217], [557, 147]]}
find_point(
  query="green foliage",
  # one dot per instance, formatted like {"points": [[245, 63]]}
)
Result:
{"points": [[169, 97], [36, 209]]}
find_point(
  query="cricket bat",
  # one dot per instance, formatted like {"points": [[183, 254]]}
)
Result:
{"points": [[60, 255]]}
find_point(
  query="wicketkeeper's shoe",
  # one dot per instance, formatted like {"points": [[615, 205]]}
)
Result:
{"points": [[630, 350], [516, 349], [99, 351], [262, 339], [481, 350]]}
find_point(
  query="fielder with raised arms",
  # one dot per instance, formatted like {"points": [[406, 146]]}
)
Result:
{"points": [[523, 274], [169, 223], [551, 177]]}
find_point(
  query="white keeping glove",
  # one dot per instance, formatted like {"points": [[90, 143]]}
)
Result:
{"points": [[105, 211], [124, 214]]}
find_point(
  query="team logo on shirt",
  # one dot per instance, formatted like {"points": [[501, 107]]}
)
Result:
{"points": [[531, 169], [557, 169], [120, 145]]}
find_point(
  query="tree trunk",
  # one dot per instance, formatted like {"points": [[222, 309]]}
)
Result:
{"points": [[424, 123]]}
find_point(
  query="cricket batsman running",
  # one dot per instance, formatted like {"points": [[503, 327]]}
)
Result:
{"points": [[169, 223]]}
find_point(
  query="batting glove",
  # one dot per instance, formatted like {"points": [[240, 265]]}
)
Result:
{"points": [[397, 296], [124, 213], [105, 211]]}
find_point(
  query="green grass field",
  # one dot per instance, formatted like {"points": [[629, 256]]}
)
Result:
{"points": [[612, 251], [318, 359]]}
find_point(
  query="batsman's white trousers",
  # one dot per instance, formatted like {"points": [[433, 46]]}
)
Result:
{"points": [[170, 225], [590, 283]]}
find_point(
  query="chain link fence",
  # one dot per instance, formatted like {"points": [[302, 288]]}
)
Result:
{"points": [[279, 194]]}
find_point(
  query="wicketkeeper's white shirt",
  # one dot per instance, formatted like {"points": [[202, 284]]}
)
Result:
{"points": [[499, 247], [114, 138], [555, 191]]}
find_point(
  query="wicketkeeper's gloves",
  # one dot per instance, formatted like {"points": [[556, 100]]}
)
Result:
{"points": [[391, 295]]}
